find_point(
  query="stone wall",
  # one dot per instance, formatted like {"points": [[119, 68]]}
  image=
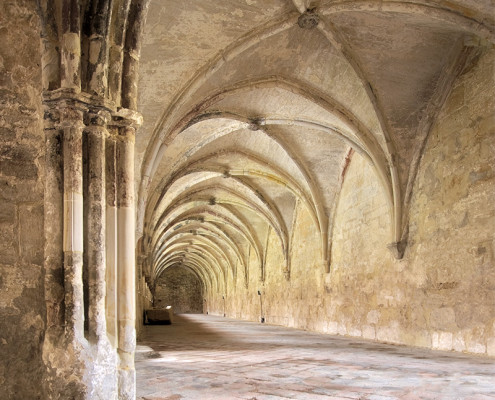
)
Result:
{"points": [[441, 294], [180, 289], [451, 259], [22, 305]]}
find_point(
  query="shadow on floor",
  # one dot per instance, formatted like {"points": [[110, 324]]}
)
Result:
{"points": [[199, 332]]}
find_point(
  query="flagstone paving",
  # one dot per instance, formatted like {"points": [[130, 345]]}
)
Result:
{"points": [[204, 357]]}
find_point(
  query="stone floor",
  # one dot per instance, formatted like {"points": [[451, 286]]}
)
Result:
{"points": [[205, 357]]}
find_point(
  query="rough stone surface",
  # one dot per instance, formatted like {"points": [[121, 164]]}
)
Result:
{"points": [[440, 295], [181, 289], [338, 179], [214, 358], [22, 313]]}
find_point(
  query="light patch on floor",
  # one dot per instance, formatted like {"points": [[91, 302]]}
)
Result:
{"points": [[214, 358]]}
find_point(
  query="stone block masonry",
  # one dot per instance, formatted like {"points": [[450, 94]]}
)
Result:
{"points": [[441, 294], [181, 289], [22, 307]]}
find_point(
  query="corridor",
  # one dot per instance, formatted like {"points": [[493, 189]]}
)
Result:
{"points": [[213, 358]]}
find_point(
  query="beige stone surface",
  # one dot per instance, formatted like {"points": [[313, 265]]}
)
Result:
{"points": [[323, 165], [240, 359], [22, 309], [441, 294], [180, 289]]}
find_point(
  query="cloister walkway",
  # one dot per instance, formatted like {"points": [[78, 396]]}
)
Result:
{"points": [[205, 357]]}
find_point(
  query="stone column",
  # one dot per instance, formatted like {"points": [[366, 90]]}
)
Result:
{"points": [[53, 220], [126, 263], [72, 124], [119, 11], [140, 298], [71, 121], [96, 135], [111, 237], [70, 41]]}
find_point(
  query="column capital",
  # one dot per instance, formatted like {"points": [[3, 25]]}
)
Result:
{"points": [[97, 117], [53, 98], [51, 117], [125, 117], [71, 116]]}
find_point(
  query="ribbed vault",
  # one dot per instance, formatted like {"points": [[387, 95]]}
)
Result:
{"points": [[254, 107]]}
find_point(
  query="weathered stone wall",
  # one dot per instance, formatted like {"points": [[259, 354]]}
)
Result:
{"points": [[181, 289], [452, 230], [22, 314], [441, 294]]}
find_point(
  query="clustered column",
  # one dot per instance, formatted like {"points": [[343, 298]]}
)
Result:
{"points": [[89, 75], [100, 207]]}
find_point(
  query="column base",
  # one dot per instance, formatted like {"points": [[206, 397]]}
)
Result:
{"points": [[127, 384]]}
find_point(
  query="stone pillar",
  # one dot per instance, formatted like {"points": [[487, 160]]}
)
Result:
{"points": [[111, 237], [70, 41], [116, 50], [53, 220], [96, 135], [133, 41], [126, 263], [71, 122], [140, 298]]}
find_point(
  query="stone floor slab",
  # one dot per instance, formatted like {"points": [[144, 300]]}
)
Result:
{"points": [[205, 357]]}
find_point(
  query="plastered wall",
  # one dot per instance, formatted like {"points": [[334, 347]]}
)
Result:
{"points": [[22, 306], [441, 295]]}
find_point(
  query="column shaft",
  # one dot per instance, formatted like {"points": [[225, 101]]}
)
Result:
{"points": [[126, 261], [96, 135], [111, 238], [53, 220], [70, 55], [73, 223]]}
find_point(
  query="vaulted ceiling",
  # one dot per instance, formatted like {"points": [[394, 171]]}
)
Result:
{"points": [[254, 106]]}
